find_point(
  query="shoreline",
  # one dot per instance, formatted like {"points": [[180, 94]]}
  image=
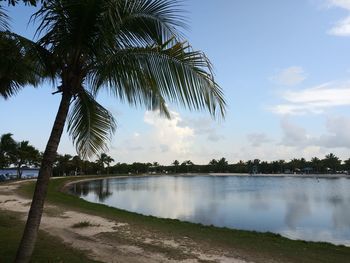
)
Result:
{"points": [[347, 176], [335, 242], [138, 238]]}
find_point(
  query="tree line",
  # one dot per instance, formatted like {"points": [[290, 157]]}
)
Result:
{"points": [[19, 154]]}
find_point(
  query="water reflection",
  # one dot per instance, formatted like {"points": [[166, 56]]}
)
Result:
{"points": [[300, 208]]}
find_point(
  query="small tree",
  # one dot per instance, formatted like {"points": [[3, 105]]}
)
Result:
{"points": [[7, 149], [24, 154]]}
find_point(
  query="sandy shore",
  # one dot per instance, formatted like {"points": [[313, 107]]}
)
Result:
{"points": [[111, 240]]}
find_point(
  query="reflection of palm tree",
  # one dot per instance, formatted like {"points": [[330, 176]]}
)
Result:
{"points": [[103, 190], [132, 48]]}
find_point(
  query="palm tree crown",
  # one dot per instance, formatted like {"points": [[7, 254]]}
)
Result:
{"points": [[130, 48]]}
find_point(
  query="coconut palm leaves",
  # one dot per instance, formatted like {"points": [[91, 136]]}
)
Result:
{"points": [[90, 125], [3, 20], [131, 48], [19, 67], [171, 71]]}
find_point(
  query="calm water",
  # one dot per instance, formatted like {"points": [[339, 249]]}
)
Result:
{"points": [[298, 208]]}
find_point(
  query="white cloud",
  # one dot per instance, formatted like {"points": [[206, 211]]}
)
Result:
{"points": [[339, 3], [338, 133], [315, 99], [168, 133], [289, 76], [163, 141], [336, 136], [203, 127], [341, 27], [293, 135], [257, 139]]}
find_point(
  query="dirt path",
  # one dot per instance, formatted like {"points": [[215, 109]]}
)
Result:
{"points": [[112, 241]]}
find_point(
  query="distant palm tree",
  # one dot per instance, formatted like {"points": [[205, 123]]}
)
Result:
{"points": [[316, 163], [105, 159], [133, 49], [24, 154], [176, 163], [332, 162], [77, 163], [63, 164], [7, 149], [213, 162]]}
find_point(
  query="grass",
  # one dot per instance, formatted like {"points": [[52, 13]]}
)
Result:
{"points": [[48, 248], [258, 247]]}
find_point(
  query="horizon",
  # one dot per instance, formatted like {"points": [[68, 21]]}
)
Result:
{"points": [[286, 79]]}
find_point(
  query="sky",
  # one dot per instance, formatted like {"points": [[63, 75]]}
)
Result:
{"points": [[284, 67]]}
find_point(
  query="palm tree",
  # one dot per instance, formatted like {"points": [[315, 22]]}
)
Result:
{"points": [[108, 161], [77, 164], [21, 59], [133, 49], [24, 154], [7, 149], [222, 165], [176, 163], [316, 163], [104, 159], [63, 163], [3, 20], [332, 162]]}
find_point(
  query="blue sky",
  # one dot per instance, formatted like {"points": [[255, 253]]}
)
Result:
{"points": [[284, 67]]}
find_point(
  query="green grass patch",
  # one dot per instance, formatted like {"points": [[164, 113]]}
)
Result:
{"points": [[48, 248], [254, 246]]}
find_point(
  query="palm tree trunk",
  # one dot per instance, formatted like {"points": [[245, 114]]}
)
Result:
{"points": [[27, 244]]}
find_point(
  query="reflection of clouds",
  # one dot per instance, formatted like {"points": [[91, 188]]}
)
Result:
{"points": [[341, 215], [300, 208], [295, 211], [205, 214], [170, 199], [259, 201]]}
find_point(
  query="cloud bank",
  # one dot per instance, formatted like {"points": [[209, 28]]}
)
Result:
{"points": [[314, 100], [341, 27]]}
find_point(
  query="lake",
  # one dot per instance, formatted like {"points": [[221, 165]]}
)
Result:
{"points": [[299, 208]]}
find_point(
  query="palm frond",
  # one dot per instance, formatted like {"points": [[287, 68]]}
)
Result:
{"points": [[145, 22], [171, 70], [16, 69], [4, 20], [90, 125], [76, 29], [23, 62]]}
